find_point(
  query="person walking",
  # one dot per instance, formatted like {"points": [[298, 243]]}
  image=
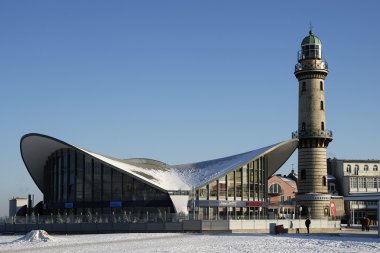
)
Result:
{"points": [[363, 221], [367, 221], [307, 224]]}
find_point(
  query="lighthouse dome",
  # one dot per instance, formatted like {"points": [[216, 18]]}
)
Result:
{"points": [[311, 39]]}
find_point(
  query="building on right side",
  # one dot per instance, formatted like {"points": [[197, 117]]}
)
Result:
{"points": [[15, 204], [311, 70], [353, 177]]}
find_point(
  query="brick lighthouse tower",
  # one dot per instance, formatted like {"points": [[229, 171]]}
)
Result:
{"points": [[311, 71]]}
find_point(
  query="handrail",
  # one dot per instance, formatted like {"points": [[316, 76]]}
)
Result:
{"points": [[323, 65], [305, 134]]}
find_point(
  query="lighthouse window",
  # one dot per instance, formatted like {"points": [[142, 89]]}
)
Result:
{"points": [[303, 174], [303, 86], [322, 126], [321, 85], [303, 127], [324, 181], [322, 107]]}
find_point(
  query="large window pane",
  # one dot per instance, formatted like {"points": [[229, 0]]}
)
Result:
{"points": [[222, 188], [231, 185], [116, 185], [262, 182], [251, 182], [88, 179], [139, 190], [64, 174], [55, 178], [160, 195], [71, 189], [80, 175], [60, 176], [46, 181], [238, 181], [256, 180], [245, 182], [106, 183], [127, 187], [97, 180], [213, 186], [202, 193], [150, 193]]}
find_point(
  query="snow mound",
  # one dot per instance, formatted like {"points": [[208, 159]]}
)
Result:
{"points": [[37, 235]]}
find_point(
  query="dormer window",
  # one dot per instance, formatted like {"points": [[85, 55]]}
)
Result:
{"points": [[356, 169], [348, 168]]}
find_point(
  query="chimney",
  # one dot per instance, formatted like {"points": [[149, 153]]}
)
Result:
{"points": [[30, 204]]}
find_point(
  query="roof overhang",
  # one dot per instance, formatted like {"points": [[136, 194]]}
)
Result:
{"points": [[36, 149], [279, 154]]}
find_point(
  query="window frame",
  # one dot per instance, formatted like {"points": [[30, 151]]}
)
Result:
{"points": [[303, 86]]}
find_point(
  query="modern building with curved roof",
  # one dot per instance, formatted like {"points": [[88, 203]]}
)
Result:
{"points": [[77, 180]]}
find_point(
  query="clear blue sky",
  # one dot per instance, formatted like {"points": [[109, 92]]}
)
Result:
{"points": [[179, 81]]}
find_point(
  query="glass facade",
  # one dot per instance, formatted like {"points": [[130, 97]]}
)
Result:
{"points": [[364, 184], [311, 51], [230, 196], [78, 183]]}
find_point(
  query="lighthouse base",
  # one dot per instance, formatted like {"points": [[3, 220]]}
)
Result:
{"points": [[314, 205]]}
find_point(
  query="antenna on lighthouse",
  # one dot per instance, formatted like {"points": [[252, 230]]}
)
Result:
{"points": [[311, 28]]}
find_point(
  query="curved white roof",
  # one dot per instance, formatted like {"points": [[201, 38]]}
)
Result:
{"points": [[36, 148]]}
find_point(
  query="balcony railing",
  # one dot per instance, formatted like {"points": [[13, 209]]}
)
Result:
{"points": [[311, 65], [315, 134]]}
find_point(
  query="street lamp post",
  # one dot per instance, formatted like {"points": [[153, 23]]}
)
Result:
{"points": [[299, 216], [260, 212]]}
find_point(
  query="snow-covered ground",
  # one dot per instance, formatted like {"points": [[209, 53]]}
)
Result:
{"points": [[175, 242]]}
